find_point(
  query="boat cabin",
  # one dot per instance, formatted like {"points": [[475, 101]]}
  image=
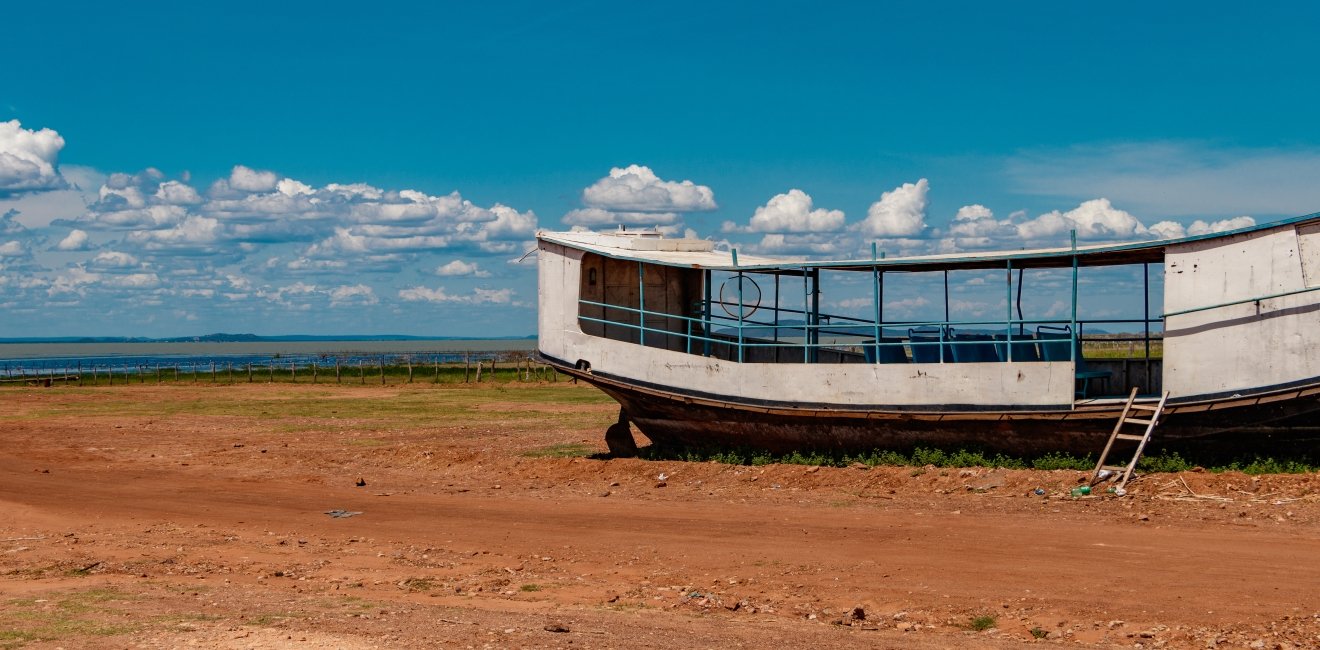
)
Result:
{"points": [[1216, 315]]}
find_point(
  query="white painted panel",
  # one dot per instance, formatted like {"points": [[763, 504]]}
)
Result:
{"points": [[1211, 272], [1308, 244], [1238, 348]]}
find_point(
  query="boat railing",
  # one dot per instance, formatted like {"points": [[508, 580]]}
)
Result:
{"points": [[707, 330]]}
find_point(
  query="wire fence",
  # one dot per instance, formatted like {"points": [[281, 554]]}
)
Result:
{"points": [[377, 369]]}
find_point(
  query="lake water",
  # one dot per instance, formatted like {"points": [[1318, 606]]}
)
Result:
{"points": [[16, 358]]}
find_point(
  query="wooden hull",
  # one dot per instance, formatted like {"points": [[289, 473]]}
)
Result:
{"points": [[667, 416]]}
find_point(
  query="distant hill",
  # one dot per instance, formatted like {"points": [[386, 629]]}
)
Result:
{"points": [[220, 337]]}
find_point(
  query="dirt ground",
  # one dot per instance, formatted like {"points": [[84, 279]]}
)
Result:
{"points": [[196, 516]]}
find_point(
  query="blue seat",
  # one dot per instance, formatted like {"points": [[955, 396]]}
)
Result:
{"points": [[972, 348], [1054, 346], [926, 345], [887, 353], [1024, 347]]}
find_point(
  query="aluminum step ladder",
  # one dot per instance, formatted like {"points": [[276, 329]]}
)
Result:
{"points": [[1124, 472]]}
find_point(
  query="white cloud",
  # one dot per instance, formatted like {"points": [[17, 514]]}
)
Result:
{"points": [[190, 234], [598, 217], [114, 259], [812, 244], [793, 212], [1094, 219], [1175, 230], [358, 294], [28, 158], [440, 295], [458, 268], [636, 188], [176, 193], [251, 180], [900, 212], [13, 248], [75, 241]]}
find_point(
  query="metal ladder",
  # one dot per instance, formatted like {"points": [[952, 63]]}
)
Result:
{"points": [[1124, 472]]}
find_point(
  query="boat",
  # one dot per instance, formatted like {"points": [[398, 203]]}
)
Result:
{"points": [[704, 347]]}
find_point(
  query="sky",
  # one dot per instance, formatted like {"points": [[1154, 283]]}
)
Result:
{"points": [[174, 169]]}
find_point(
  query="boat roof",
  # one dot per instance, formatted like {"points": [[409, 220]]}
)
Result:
{"points": [[652, 247]]}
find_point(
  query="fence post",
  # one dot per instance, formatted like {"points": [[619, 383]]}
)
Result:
{"points": [[337, 380], [314, 366], [293, 371], [466, 367], [212, 372], [436, 359], [249, 365], [272, 371], [381, 361], [362, 372], [409, 361], [480, 363]]}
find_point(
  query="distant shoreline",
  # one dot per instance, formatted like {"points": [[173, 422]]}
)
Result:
{"points": [[203, 350], [250, 338]]}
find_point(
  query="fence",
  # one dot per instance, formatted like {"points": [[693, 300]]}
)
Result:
{"points": [[314, 369]]}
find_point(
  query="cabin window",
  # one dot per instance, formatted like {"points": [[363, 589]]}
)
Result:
{"points": [[613, 292]]}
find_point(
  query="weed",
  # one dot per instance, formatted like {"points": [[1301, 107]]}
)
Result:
{"points": [[530, 587], [562, 450], [1037, 633], [982, 623]]}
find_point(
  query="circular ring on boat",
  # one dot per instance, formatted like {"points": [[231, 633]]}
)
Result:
{"points": [[744, 304]]}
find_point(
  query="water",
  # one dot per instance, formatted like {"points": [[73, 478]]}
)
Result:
{"points": [[56, 358]]}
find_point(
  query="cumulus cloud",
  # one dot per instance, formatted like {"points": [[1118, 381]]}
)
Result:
{"points": [[1175, 230], [900, 212], [114, 259], [28, 159], [254, 207], [440, 295], [636, 188], [810, 244], [1094, 219], [358, 294], [792, 212], [457, 268], [635, 196], [76, 240], [595, 217]]}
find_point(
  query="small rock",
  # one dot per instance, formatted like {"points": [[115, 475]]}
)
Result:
{"points": [[857, 613], [605, 493], [557, 628], [361, 482], [660, 484]]}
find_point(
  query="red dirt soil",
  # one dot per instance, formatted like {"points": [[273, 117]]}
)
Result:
{"points": [[211, 531]]}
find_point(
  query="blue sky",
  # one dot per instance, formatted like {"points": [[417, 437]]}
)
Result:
{"points": [[169, 169]]}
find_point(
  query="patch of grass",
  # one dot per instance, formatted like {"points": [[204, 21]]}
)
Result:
{"points": [[530, 587], [982, 623], [269, 619], [562, 450], [26, 620], [1172, 462], [1037, 633], [921, 457], [419, 584]]}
